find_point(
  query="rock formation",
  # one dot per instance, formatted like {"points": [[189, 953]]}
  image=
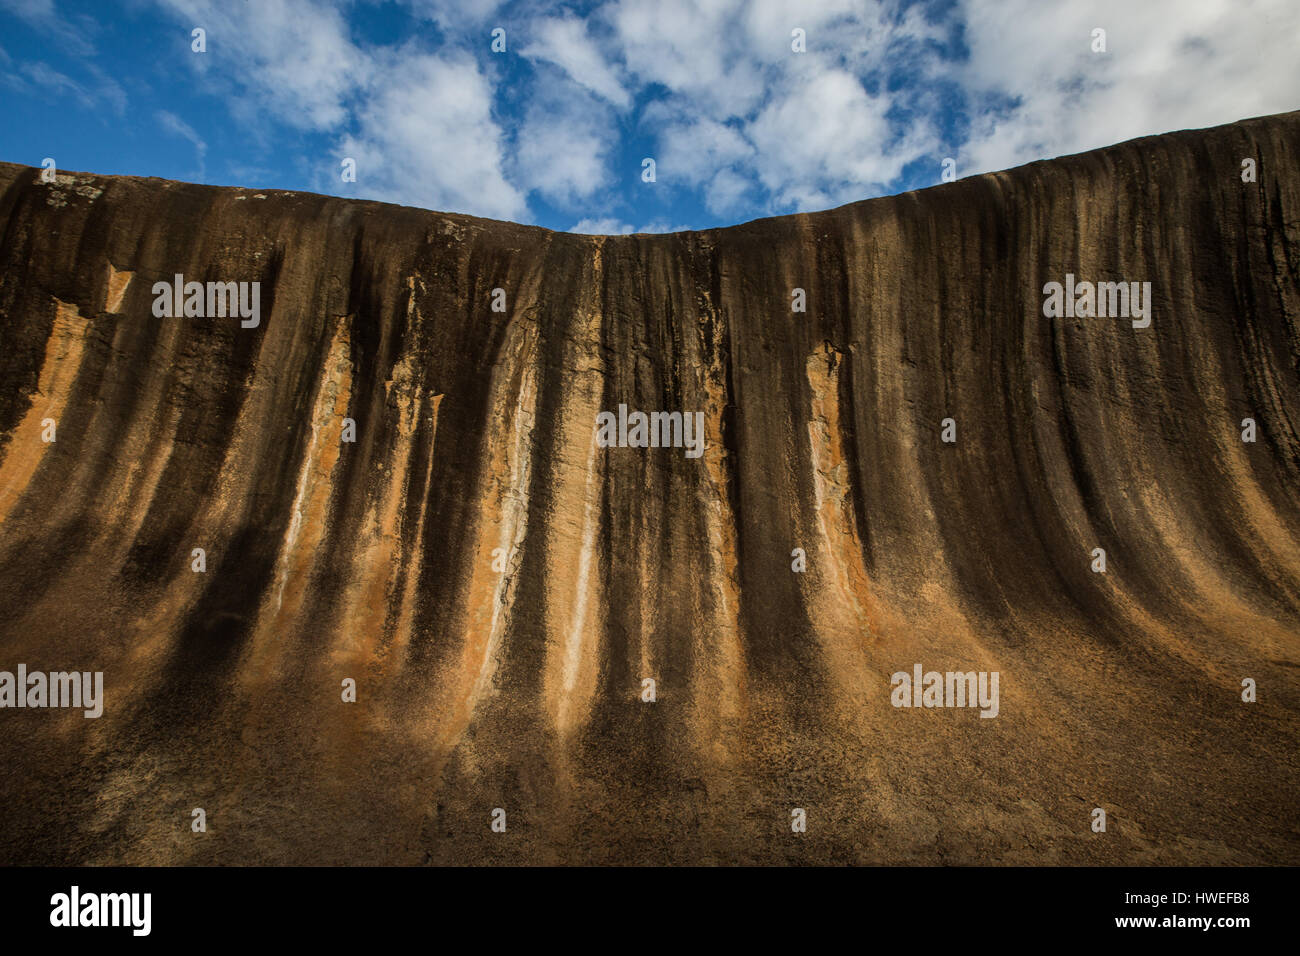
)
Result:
{"points": [[394, 479]]}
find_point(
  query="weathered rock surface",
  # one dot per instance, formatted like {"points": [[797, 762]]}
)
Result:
{"points": [[521, 688]]}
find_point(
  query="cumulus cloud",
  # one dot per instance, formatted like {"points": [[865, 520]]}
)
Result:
{"points": [[739, 124], [295, 55], [757, 127], [884, 88], [607, 226], [565, 43], [456, 14], [727, 193], [564, 146], [692, 49], [1166, 67], [430, 140], [696, 148], [612, 226], [709, 155], [419, 124], [662, 225], [825, 142]]}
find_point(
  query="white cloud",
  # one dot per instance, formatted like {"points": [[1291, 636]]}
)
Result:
{"points": [[756, 126], [826, 141], [601, 227], [49, 80], [456, 14], [45, 80], [735, 120], [748, 123], [712, 156], [174, 124], [71, 32], [294, 55], [565, 43], [662, 225], [430, 141], [419, 124], [830, 26], [108, 90], [693, 49], [564, 145], [696, 149], [1167, 67], [610, 226], [32, 11], [727, 192]]}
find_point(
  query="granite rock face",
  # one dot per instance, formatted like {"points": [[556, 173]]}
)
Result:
{"points": [[499, 584]]}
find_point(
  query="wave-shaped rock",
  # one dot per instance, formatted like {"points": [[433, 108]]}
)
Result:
{"points": [[499, 584]]}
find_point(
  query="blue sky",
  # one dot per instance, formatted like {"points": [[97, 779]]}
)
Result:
{"points": [[554, 130]]}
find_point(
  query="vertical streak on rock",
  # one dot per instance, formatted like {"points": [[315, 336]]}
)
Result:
{"points": [[571, 700], [572, 659], [897, 424], [25, 449], [1263, 526], [840, 609], [224, 514], [131, 490], [332, 396], [505, 499], [137, 488], [307, 520], [368, 597], [118, 281], [720, 695], [406, 612]]}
